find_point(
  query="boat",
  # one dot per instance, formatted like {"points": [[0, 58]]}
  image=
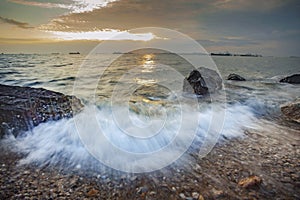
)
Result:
{"points": [[74, 53]]}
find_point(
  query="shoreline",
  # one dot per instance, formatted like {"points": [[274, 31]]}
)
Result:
{"points": [[216, 176]]}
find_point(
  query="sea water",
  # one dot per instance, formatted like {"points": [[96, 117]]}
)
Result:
{"points": [[137, 104]]}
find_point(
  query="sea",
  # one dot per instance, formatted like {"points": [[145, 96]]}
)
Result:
{"points": [[137, 117]]}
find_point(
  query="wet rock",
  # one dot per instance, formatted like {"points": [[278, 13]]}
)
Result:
{"points": [[182, 195], [293, 79], [195, 195], [92, 193], [22, 108], [292, 110], [250, 182], [235, 77], [202, 82], [142, 190], [195, 83], [200, 197], [217, 193]]}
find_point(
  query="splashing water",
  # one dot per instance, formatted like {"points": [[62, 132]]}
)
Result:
{"points": [[59, 144]]}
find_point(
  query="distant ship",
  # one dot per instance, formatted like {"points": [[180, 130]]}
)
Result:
{"points": [[73, 53], [221, 54], [230, 54]]}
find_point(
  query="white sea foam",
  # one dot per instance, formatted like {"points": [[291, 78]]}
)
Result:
{"points": [[59, 144]]}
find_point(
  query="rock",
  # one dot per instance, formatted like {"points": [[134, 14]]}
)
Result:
{"points": [[235, 77], [200, 197], [22, 108], [195, 83], [142, 190], [249, 182], [195, 195], [182, 195], [292, 110], [294, 79], [217, 193], [92, 193], [202, 82]]}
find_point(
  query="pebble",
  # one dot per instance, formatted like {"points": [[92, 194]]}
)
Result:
{"points": [[195, 195], [141, 190], [249, 182], [93, 192], [182, 195]]}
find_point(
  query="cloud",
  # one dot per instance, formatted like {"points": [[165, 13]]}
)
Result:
{"points": [[183, 15], [244, 5], [231, 24], [40, 4], [129, 14], [75, 6], [228, 41], [22, 25], [103, 35]]}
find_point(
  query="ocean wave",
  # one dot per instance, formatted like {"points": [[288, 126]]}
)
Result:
{"points": [[62, 65], [59, 143]]}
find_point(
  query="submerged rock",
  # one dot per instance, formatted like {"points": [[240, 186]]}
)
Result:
{"points": [[235, 77], [292, 110], [202, 82], [294, 79], [22, 108]]}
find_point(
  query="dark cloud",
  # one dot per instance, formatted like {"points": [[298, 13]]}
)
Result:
{"points": [[129, 14], [261, 26], [23, 25], [228, 42]]}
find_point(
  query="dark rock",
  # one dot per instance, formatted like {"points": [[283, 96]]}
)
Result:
{"points": [[235, 77], [202, 82], [294, 79], [292, 110], [195, 83], [22, 108]]}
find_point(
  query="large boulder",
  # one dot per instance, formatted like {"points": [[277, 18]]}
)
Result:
{"points": [[292, 111], [22, 108], [202, 82], [235, 77], [294, 79]]}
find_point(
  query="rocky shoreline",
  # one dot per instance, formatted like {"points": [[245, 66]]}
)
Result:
{"points": [[217, 176], [262, 165], [22, 108]]}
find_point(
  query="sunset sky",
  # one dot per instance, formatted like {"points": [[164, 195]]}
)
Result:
{"points": [[270, 27]]}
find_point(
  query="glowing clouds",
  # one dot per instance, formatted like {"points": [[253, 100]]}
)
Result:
{"points": [[80, 6], [102, 35], [75, 6]]}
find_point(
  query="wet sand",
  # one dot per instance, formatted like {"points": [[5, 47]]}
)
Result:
{"points": [[272, 157]]}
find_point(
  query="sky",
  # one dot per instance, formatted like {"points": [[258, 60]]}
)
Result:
{"points": [[270, 27]]}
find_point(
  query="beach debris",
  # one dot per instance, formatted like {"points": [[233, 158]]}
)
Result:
{"points": [[235, 77], [250, 181], [293, 79], [292, 110]]}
